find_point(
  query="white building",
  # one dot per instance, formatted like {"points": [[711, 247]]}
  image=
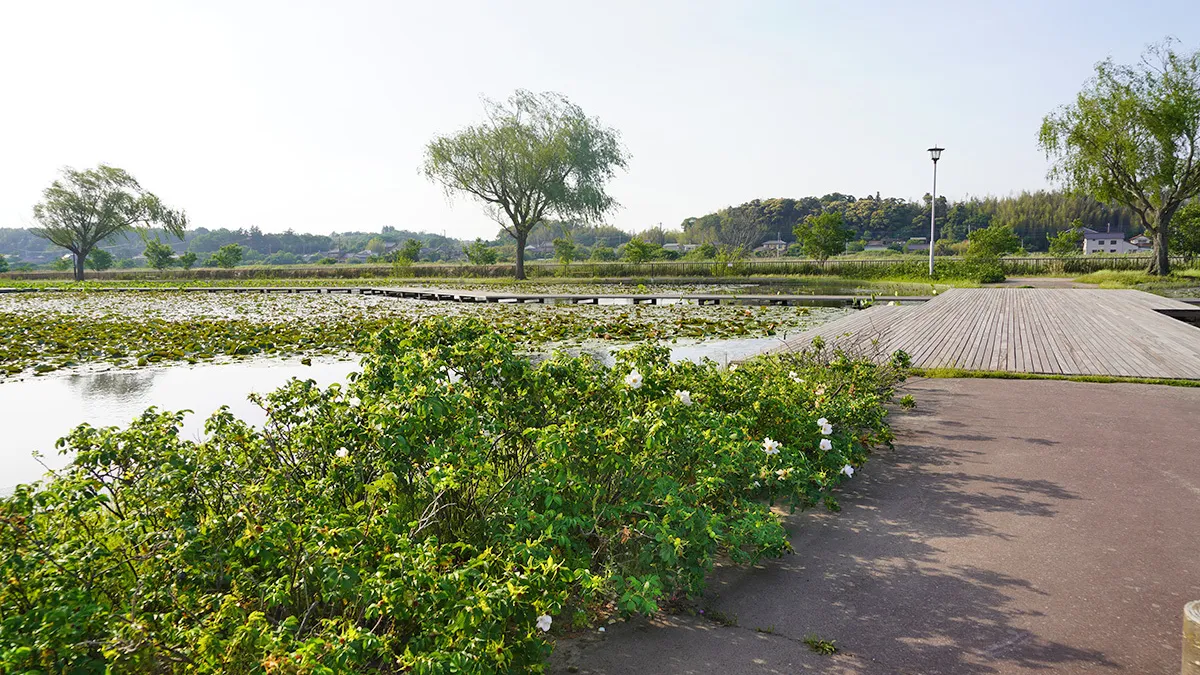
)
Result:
{"points": [[1106, 242]]}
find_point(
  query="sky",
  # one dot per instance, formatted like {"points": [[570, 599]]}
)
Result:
{"points": [[314, 116]]}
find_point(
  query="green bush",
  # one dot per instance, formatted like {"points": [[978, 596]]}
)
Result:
{"points": [[433, 515]]}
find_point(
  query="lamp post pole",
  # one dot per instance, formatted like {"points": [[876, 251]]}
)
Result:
{"points": [[936, 153]]}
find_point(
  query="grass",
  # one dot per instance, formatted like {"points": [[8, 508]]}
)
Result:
{"points": [[826, 647], [1140, 279], [959, 373]]}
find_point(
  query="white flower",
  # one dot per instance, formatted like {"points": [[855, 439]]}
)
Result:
{"points": [[935, 291], [354, 401], [757, 484], [822, 422], [634, 379], [892, 303], [826, 444], [543, 622], [820, 391], [733, 368], [684, 396], [342, 452], [771, 447], [848, 470], [783, 473], [827, 429]]}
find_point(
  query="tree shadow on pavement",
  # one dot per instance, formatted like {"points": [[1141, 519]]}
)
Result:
{"points": [[871, 576]]}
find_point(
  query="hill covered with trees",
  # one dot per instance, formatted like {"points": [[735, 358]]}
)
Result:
{"points": [[1032, 216]]}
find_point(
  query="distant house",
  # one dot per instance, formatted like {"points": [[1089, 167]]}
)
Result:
{"points": [[1142, 242], [1106, 242], [876, 245], [916, 244], [680, 248], [772, 247]]}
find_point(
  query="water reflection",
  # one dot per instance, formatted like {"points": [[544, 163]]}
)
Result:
{"points": [[112, 384], [36, 412]]}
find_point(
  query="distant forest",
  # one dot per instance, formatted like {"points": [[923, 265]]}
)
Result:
{"points": [[1032, 216], [261, 247]]}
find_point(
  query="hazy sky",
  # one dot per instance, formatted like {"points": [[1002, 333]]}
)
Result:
{"points": [[314, 115]]}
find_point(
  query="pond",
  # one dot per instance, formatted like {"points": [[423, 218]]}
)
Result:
{"points": [[36, 412]]}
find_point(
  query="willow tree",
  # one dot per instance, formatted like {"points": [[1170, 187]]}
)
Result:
{"points": [[533, 157], [83, 208], [1132, 137]]}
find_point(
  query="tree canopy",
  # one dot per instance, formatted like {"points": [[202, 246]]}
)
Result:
{"points": [[83, 208], [1132, 137], [534, 157], [1185, 230], [993, 242], [1068, 242], [822, 235]]}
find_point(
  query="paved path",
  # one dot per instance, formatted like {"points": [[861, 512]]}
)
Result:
{"points": [[1121, 333], [1018, 527]]}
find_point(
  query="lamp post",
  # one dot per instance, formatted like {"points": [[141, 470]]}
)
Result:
{"points": [[936, 153]]}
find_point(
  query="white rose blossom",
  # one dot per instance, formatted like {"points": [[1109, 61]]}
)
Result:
{"points": [[771, 447], [826, 444], [634, 379], [684, 396], [543, 623]]}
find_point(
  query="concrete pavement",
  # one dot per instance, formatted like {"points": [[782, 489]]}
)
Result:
{"points": [[1018, 527]]}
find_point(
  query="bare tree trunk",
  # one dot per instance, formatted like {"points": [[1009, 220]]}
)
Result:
{"points": [[522, 237], [79, 257], [1160, 261]]}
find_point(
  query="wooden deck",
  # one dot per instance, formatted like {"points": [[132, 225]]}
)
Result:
{"points": [[1121, 333]]}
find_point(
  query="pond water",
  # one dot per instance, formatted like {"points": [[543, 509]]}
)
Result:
{"points": [[36, 412]]}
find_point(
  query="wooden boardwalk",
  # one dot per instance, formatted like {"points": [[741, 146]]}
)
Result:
{"points": [[1121, 333]]}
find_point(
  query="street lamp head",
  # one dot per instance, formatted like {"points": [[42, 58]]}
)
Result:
{"points": [[936, 153]]}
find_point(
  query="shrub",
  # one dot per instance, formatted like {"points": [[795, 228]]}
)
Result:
{"points": [[602, 253], [159, 255], [99, 260], [479, 253], [427, 516], [228, 256]]}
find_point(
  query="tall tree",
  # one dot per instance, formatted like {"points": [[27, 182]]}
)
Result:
{"points": [[1133, 137], [536, 156], [83, 208]]}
